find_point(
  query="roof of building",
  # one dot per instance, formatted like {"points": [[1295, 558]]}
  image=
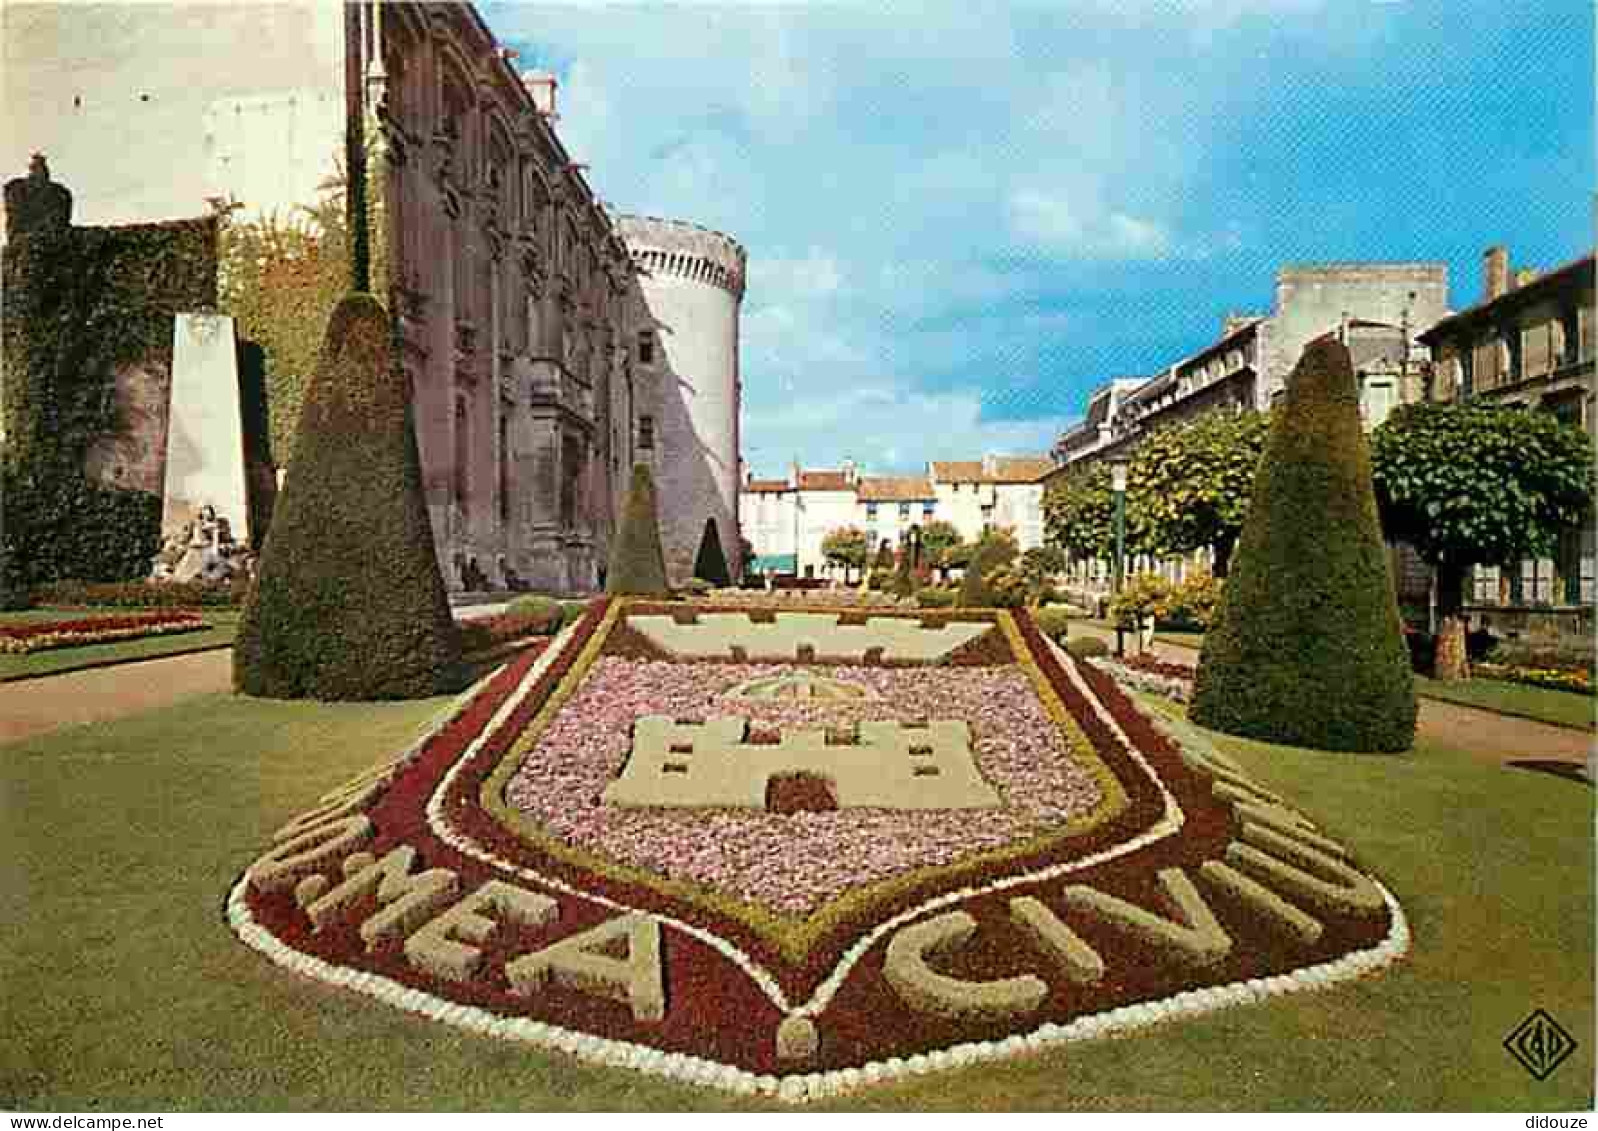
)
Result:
{"points": [[896, 488], [1020, 469], [957, 471], [1564, 275], [824, 481], [756, 486], [1006, 469]]}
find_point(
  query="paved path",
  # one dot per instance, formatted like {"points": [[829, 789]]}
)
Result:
{"points": [[1487, 734], [33, 706]]}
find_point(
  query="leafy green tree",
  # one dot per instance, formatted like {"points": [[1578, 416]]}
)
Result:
{"points": [[937, 539], [1079, 513], [846, 546], [1189, 484], [1477, 485], [995, 550], [710, 564], [1307, 648]]}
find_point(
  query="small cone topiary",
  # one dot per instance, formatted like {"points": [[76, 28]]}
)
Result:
{"points": [[348, 601], [974, 591], [637, 561], [1306, 648], [710, 563]]}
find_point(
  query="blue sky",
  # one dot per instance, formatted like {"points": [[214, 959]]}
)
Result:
{"points": [[962, 217]]}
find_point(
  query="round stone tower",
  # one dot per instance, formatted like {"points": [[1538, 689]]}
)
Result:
{"points": [[685, 349]]}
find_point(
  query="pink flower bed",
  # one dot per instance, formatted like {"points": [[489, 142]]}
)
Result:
{"points": [[792, 863]]}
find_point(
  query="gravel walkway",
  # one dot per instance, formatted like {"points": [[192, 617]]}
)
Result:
{"points": [[1502, 738]]}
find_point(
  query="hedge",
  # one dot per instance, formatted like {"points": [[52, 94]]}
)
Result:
{"points": [[711, 563], [1307, 646], [79, 303], [349, 603], [637, 562]]}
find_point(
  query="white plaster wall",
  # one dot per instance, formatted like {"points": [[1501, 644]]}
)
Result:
{"points": [[1020, 507], [697, 335], [145, 110], [767, 520], [963, 508], [822, 512]]}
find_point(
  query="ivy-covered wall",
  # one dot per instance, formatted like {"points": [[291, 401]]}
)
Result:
{"points": [[78, 304]]}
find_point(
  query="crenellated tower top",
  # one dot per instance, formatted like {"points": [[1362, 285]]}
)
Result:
{"points": [[684, 250]]}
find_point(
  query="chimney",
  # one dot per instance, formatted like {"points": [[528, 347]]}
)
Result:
{"points": [[848, 470], [541, 85], [990, 465], [1495, 272]]}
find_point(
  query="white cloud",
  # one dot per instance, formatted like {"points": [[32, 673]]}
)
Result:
{"points": [[1084, 230], [889, 430], [815, 275]]}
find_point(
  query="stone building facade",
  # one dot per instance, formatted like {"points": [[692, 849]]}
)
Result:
{"points": [[519, 306], [1528, 343], [1376, 309]]}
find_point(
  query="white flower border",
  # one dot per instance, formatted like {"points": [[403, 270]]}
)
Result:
{"points": [[801, 1088]]}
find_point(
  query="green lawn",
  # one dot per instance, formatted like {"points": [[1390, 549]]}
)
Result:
{"points": [[224, 626], [124, 990], [1563, 708]]}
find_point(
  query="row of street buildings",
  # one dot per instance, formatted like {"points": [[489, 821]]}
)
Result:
{"points": [[786, 520], [1527, 342]]}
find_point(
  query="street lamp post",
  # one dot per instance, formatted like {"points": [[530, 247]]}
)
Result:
{"points": [[1118, 466]]}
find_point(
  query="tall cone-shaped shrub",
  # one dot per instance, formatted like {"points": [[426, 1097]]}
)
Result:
{"points": [[348, 602], [1307, 648], [710, 564], [974, 591], [637, 562]]}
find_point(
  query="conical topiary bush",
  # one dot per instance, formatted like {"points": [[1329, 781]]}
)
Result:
{"points": [[710, 564], [1306, 648], [637, 562], [974, 591], [348, 601]]}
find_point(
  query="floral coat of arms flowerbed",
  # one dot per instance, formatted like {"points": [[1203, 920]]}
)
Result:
{"points": [[799, 853]]}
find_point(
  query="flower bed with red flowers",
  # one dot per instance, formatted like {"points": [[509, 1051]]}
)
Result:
{"points": [[445, 884], [40, 636]]}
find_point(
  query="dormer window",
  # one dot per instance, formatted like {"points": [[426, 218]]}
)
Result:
{"points": [[646, 347]]}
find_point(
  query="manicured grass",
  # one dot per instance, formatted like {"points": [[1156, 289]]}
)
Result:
{"points": [[127, 991], [224, 626], [1562, 708]]}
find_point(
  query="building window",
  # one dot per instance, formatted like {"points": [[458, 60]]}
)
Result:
{"points": [[646, 433], [646, 347], [504, 466], [461, 438], [904, 510], [926, 510], [871, 511], [571, 459]]}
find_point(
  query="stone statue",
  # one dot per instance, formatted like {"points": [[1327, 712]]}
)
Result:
{"points": [[203, 550]]}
